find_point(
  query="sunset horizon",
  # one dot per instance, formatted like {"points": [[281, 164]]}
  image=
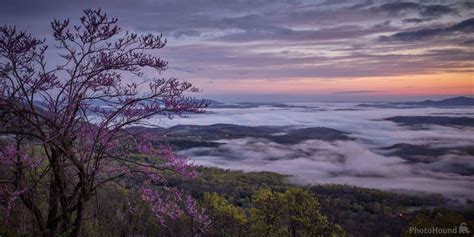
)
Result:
{"points": [[308, 50]]}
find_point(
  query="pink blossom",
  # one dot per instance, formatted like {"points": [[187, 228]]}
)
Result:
{"points": [[144, 148], [181, 164], [173, 203], [9, 155], [8, 198]]}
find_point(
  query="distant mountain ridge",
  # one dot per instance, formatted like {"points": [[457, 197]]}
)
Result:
{"points": [[451, 102], [455, 101]]}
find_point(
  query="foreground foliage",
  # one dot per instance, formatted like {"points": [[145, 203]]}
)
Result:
{"points": [[349, 210], [239, 203]]}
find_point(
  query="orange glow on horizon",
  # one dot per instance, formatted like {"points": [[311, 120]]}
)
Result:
{"points": [[426, 84]]}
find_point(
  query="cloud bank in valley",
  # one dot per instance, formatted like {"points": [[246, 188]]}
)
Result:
{"points": [[364, 161]]}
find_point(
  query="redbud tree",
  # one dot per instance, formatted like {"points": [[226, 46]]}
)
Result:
{"points": [[64, 123]]}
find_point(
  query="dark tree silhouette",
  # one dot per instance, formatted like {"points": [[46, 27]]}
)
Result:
{"points": [[64, 127]]}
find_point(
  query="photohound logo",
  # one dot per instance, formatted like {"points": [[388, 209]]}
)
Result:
{"points": [[461, 229]]}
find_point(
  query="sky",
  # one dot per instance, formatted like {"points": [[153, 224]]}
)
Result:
{"points": [[293, 50]]}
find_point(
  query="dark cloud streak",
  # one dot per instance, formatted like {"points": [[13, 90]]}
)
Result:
{"points": [[463, 27]]}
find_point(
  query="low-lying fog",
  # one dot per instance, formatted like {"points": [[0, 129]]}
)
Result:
{"points": [[360, 162]]}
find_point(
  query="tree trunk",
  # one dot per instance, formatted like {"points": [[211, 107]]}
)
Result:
{"points": [[78, 220]]}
